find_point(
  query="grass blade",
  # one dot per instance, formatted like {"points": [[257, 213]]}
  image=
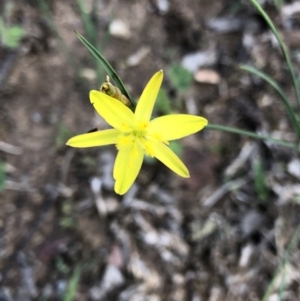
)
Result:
{"points": [[87, 22], [108, 68], [282, 94], [92, 34], [285, 257], [62, 45], [260, 181], [282, 47], [2, 176], [73, 284]]}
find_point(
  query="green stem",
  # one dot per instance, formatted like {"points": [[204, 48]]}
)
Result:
{"points": [[293, 242], [63, 47], [92, 35], [282, 94], [251, 134], [282, 46]]}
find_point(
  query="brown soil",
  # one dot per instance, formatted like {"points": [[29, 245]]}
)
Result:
{"points": [[168, 238]]}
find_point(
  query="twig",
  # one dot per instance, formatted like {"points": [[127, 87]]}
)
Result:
{"points": [[9, 148], [219, 193]]}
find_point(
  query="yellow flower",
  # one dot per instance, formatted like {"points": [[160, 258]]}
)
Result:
{"points": [[136, 135]]}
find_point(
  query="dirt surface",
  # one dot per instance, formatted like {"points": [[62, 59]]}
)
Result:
{"points": [[229, 232]]}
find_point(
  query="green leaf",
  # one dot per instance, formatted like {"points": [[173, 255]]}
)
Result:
{"points": [[73, 284], [61, 266], [108, 68], [2, 176], [181, 79], [259, 181], [278, 4], [162, 103], [282, 47], [11, 37], [176, 147], [17, 32]]}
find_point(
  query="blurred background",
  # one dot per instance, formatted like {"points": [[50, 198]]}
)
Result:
{"points": [[229, 232]]}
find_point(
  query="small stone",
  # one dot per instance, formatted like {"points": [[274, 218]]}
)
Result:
{"points": [[163, 6], [36, 117], [294, 168], [120, 29], [207, 76], [138, 56], [194, 61], [89, 74]]}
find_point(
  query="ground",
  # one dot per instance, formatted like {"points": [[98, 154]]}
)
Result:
{"points": [[229, 232]]}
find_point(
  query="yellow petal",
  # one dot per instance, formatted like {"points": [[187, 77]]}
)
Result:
{"points": [[146, 102], [176, 126], [127, 166], [166, 156], [98, 138], [112, 110]]}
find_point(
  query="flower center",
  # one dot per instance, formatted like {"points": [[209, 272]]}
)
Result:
{"points": [[138, 133], [135, 136]]}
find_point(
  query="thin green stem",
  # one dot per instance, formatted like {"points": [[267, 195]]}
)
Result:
{"points": [[64, 48], [282, 46], [251, 134], [282, 94], [293, 242], [92, 35]]}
